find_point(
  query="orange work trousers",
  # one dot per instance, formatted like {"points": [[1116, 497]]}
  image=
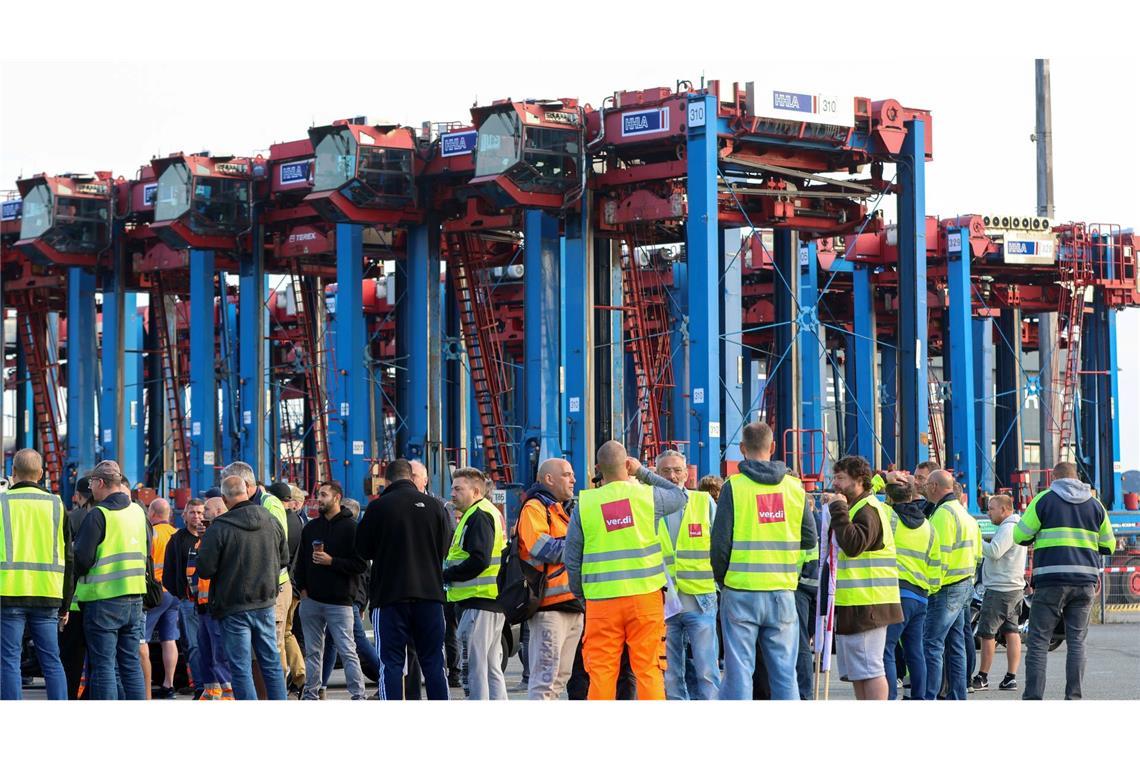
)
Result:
{"points": [[634, 621]]}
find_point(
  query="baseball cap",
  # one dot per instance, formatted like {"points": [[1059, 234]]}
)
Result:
{"points": [[297, 494], [211, 493], [107, 471], [281, 490], [83, 486]]}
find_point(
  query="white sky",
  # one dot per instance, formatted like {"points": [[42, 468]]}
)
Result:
{"points": [[154, 85]]}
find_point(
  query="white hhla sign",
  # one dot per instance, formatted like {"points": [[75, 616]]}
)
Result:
{"points": [[698, 395], [208, 457], [358, 448]]}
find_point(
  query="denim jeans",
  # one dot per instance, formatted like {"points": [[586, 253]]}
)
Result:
{"points": [[365, 651], [910, 632], [43, 626], [699, 630], [943, 634], [767, 617], [188, 613], [968, 642], [246, 635], [334, 621], [211, 654], [1051, 604], [805, 611], [114, 628]]}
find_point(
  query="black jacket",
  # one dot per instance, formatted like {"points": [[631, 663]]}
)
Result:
{"points": [[768, 473], [335, 583], [406, 535], [174, 562], [478, 540], [94, 530], [294, 525], [68, 557], [241, 554]]}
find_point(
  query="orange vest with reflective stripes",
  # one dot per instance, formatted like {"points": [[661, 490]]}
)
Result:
{"points": [[162, 534], [534, 529]]}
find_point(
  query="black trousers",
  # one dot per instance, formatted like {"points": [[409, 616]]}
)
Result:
{"points": [[73, 652], [451, 640], [402, 624]]}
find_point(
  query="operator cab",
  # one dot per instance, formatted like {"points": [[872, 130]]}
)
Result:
{"points": [[364, 174], [65, 220], [204, 202]]}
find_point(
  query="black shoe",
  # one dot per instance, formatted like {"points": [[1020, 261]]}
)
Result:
{"points": [[1009, 683], [198, 693], [980, 683], [455, 682], [163, 692]]}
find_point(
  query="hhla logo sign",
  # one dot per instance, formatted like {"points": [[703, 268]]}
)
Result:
{"points": [[617, 514], [769, 507]]}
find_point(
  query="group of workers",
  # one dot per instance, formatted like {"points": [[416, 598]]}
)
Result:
{"points": [[643, 586]]}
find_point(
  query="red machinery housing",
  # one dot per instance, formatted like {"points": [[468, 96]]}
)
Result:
{"points": [[66, 220], [204, 201]]}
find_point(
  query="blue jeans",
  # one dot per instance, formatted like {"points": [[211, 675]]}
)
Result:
{"points": [[114, 628], [365, 651], [43, 625], [699, 629], [968, 642], [910, 631], [943, 633], [211, 654], [246, 635], [188, 613], [805, 611], [768, 618]]}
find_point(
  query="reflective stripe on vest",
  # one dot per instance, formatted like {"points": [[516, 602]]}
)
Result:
{"points": [[913, 547], [955, 533], [872, 577], [120, 560], [482, 586], [766, 525], [31, 524], [621, 553], [689, 562], [277, 509]]}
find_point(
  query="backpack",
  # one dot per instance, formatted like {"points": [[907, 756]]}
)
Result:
{"points": [[519, 596], [153, 596]]}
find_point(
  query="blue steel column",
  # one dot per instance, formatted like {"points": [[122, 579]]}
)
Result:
{"points": [[134, 457], [703, 261], [732, 407], [1007, 400], [230, 380], [781, 364], [350, 441], [120, 399], [961, 359], [253, 362], [203, 385], [577, 324], [540, 344], [913, 410], [810, 344], [888, 406], [983, 350], [81, 358], [866, 395], [419, 319], [680, 398], [1108, 468]]}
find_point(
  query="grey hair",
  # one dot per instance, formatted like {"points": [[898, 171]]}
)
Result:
{"points": [[241, 470], [233, 487], [352, 506], [669, 453]]}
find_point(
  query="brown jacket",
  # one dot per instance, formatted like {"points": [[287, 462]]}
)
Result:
{"points": [[864, 533]]}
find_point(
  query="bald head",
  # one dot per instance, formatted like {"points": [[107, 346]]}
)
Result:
{"points": [[214, 506], [611, 460], [159, 511], [938, 484], [27, 464], [557, 476]]}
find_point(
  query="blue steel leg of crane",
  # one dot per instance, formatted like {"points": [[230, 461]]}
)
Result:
{"points": [[680, 401], [230, 384], [350, 446], [850, 406], [780, 365], [541, 319], [615, 351], [420, 317], [983, 350], [1108, 468], [888, 405], [134, 458], [865, 390], [964, 460], [913, 322], [732, 396], [81, 361], [577, 256], [703, 259], [1007, 407], [25, 403], [203, 388], [810, 343], [252, 349]]}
